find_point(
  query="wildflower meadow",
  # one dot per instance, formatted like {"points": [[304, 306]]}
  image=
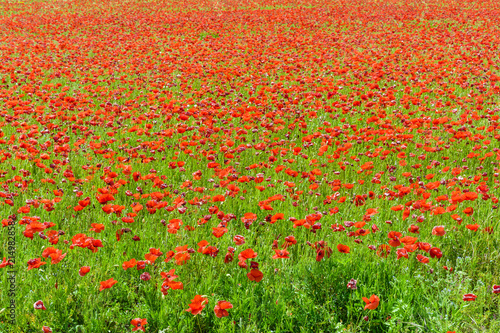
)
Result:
{"points": [[249, 166]]}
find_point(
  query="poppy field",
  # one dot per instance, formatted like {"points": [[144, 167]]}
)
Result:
{"points": [[249, 166]]}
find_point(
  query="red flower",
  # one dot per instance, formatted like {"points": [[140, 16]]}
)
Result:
{"points": [[496, 289], [5, 262], [139, 324], [107, 284], [371, 303], [469, 297], [383, 250], [247, 254], [35, 263], [55, 254], [239, 240], [468, 211], [220, 309], [281, 254], [422, 259], [435, 253], [39, 305], [255, 275], [402, 253], [438, 231], [129, 264], [97, 227], [84, 270], [472, 227], [197, 304], [343, 248]]}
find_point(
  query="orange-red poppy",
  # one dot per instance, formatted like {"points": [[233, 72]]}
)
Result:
{"points": [[371, 303]]}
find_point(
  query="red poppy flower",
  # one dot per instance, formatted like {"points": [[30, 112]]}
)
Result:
{"points": [[35, 263], [472, 227], [435, 253], [468, 211], [438, 231], [371, 303], [129, 264], [141, 264], [281, 254], [255, 275], [394, 240], [139, 324], [247, 254], [5, 263], [219, 232], [221, 309], [320, 254], [422, 259], [239, 240], [469, 297], [383, 250], [211, 251], [107, 284], [343, 248], [39, 305], [55, 254], [276, 217], [414, 229], [488, 230], [401, 253], [97, 227], [169, 276], [197, 305]]}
